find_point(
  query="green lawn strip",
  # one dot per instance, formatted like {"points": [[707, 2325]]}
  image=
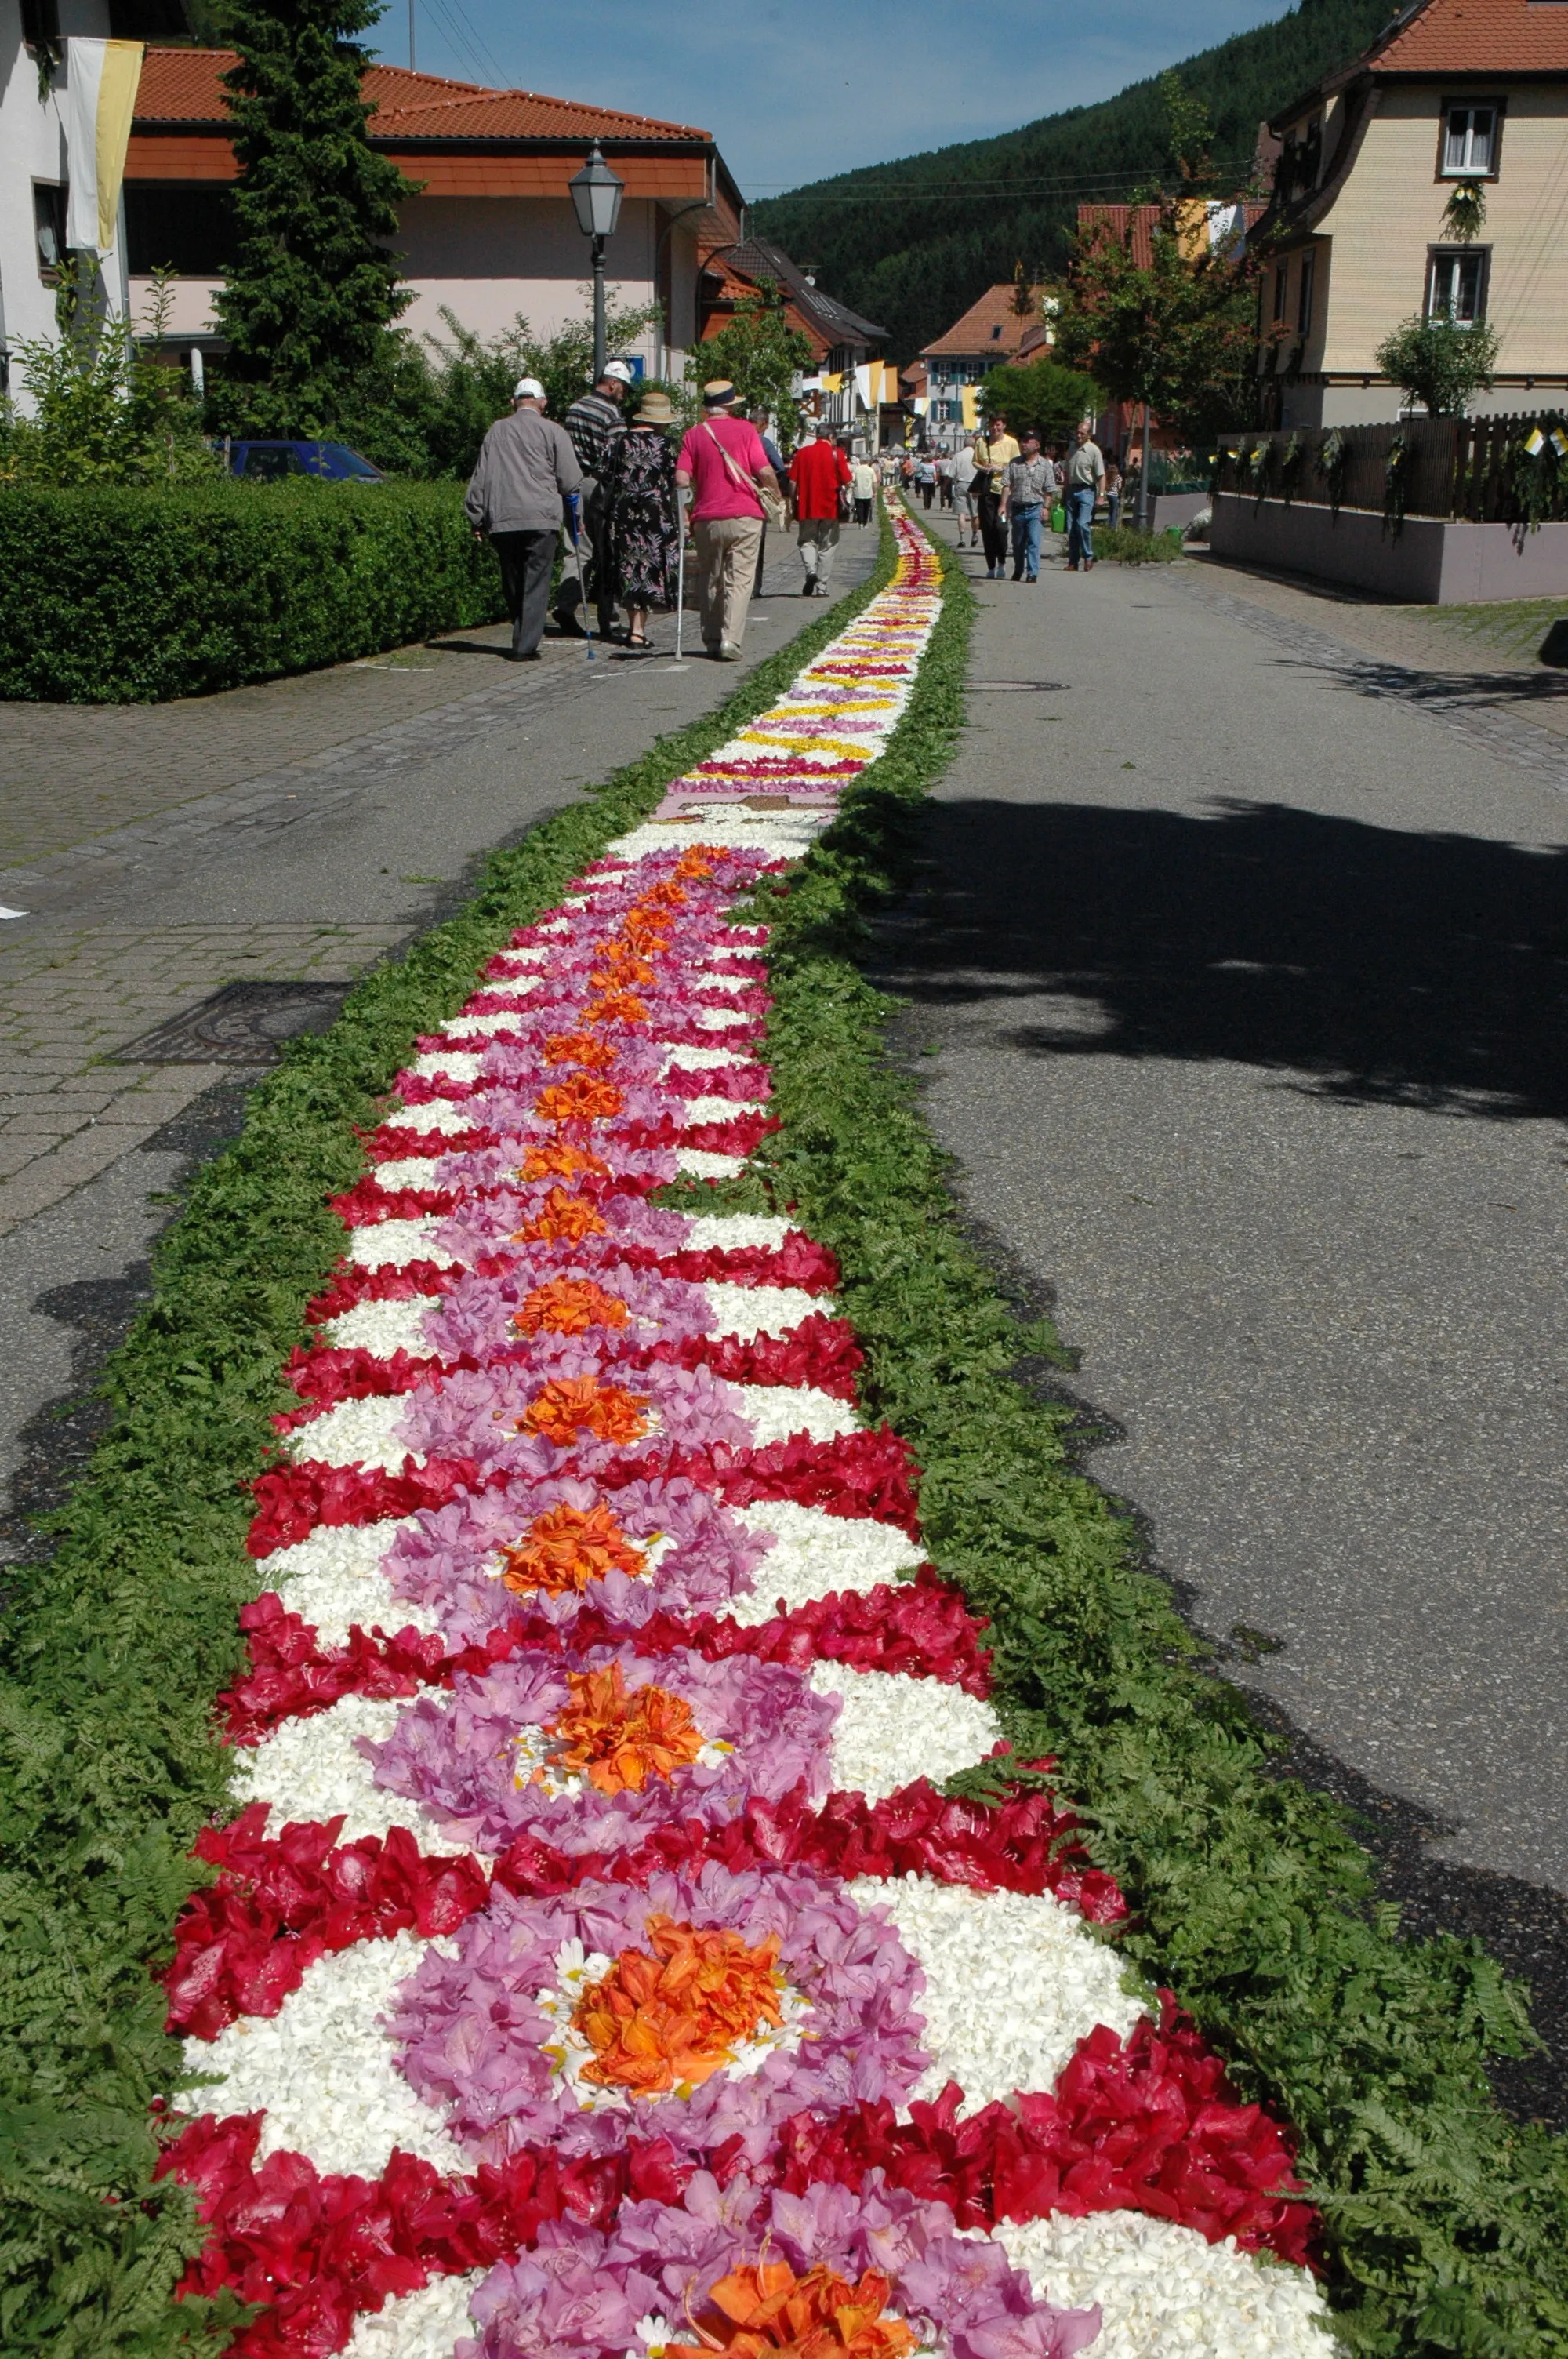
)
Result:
{"points": [[1446, 2226], [113, 1649]]}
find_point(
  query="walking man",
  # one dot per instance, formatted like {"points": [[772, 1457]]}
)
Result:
{"points": [[994, 452], [819, 472], [722, 460], [527, 470], [592, 421], [1028, 483], [863, 489], [964, 496], [761, 420], [1086, 473]]}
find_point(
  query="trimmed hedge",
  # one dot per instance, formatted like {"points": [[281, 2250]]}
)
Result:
{"points": [[123, 594]]}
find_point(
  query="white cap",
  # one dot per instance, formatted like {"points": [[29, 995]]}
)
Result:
{"points": [[620, 371], [527, 388]]}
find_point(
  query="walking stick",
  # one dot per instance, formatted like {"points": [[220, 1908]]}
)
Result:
{"points": [[581, 582], [680, 582]]}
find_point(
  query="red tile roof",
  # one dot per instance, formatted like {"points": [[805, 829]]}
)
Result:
{"points": [[185, 86], [1478, 37], [973, 333]]}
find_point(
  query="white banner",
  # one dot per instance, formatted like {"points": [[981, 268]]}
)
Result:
{"points": [[101, 79]]}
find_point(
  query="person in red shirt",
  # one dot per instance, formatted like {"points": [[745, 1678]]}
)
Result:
{"points": [[819, 473]]}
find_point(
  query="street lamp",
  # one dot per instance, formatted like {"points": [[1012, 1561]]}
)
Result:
{"points": [[597, 194]]}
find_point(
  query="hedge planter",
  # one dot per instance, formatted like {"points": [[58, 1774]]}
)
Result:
{"points": [[121, 595]]}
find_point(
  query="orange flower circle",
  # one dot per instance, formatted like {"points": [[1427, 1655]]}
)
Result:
{"points": [[763, 2308], [558, 1159], [569, 1306], [561, 1218], [582, 1098], [668, 2016], [570, 1406], [566, 1547], [579, 1049], [623, 1740]]}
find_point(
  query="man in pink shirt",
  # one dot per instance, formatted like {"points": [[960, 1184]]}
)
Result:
{"points": [[723, 459]]}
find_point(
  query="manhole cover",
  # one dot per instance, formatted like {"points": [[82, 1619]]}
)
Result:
{"points": [[1018, 687], [241, 1025]]}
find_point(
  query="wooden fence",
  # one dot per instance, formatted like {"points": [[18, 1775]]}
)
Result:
{"points": [[1475, 468]]}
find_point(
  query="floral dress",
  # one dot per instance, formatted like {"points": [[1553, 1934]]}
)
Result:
{"points": [[639, 516]]}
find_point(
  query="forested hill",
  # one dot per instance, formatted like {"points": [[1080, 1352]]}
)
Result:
{"points": [[911, 243]]}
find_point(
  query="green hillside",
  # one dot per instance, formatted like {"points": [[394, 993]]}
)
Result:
{"points": [[911, 243]]}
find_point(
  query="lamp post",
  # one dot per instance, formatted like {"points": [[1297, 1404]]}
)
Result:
{"points": [[596, 195]]}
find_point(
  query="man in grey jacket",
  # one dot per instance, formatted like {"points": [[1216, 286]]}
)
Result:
{"points": [[528, 469]]}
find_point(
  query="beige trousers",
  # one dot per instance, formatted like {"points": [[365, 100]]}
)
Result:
{"points": [[727, 552]]}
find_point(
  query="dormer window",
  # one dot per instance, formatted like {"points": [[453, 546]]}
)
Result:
{"points": [[1470, 129], [996, 335]]}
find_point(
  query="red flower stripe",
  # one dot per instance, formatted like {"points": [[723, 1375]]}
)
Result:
{"points": [[820, 1352], [1141, 2125], [922, 1628], [280, 1903], [319, 2249], [354, 1284], [861, 1473]]}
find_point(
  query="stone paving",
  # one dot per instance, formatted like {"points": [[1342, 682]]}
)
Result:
{"points": [[299, 829]]}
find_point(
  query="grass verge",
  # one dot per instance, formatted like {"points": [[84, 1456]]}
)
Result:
{"points": [[113, 1647], [1446, 2225]]}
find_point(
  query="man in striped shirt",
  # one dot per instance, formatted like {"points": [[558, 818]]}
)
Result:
{"points": [[593, 421]]}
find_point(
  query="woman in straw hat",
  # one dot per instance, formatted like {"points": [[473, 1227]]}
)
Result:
{"points": [[640, 518]]}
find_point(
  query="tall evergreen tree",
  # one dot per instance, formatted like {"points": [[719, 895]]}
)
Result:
{"points": [[313, 287]]}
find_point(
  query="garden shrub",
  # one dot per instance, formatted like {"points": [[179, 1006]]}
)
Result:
{"points": [[125, 593]]}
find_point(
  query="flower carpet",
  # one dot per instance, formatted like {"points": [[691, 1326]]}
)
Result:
{"points": [[597, 1967]]}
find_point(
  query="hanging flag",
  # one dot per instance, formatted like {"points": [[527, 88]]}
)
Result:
{"points": [[100, 79], [1534, 443]]}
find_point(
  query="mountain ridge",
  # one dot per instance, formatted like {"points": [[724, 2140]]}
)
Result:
{"points": [[912, 243]]}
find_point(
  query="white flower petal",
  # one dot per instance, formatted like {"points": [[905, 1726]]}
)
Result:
{"points": [[325, 2071], [1166, 2293], [423, 2325], [817, 1555], [311, 1770], [891, 1729], [1013, 1981]]}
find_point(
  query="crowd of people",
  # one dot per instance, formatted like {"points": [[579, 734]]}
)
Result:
{"points": [[605, 491]]}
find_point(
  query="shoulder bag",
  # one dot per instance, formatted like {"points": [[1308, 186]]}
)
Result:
{"points": [[766, 495]]}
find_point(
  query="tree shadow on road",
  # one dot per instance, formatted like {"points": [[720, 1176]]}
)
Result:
{"points": [[1427, 970]]}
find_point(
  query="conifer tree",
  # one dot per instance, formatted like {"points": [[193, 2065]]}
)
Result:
{"points": [[312, 288]]}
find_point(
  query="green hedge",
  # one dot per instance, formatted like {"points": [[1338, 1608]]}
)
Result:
{"points": [[118, 594]]}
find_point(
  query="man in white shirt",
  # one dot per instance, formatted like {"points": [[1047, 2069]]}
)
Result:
{"points": [[964, 473], [863, 489], [1086, 473]]}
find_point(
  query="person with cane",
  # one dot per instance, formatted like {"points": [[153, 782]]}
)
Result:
{"points": [[526, 471]]}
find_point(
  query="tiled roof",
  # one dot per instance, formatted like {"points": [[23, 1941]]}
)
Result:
{"points": [[1116, 221], [1476, 36], [185, 86], [757, 260], [974, 332]]}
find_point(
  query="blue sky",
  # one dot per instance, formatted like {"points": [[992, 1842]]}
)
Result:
{"points": [[795, 93]]}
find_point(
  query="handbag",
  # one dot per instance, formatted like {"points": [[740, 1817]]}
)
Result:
{"points": [[765, 495]]}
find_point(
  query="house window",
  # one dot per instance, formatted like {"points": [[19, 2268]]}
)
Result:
{"points": [[1282, 289], [1469, 140], [1304, 295], [1456, 283], [49, 225], [188, 228], [996, 335], [40, 24]]}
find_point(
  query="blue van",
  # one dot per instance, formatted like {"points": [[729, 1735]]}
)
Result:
{"points": [[270, 463]]}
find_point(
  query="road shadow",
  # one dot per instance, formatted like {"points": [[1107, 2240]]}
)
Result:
{"points": [[1374, 964]]}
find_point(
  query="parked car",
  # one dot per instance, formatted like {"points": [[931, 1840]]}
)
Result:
{"points": [[269, 462]]}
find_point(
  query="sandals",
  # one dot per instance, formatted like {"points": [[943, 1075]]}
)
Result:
{"points": [[640, 647]]}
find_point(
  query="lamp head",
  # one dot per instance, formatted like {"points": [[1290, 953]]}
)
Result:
{"points": [[595, 196]]}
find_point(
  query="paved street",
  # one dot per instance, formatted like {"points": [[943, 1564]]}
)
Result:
{"points": [[301, 830], [1243, 950]]}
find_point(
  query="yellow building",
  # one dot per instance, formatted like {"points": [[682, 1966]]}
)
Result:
{"points": [[1458, 98]]}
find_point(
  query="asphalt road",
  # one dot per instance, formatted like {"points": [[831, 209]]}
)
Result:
{"points": [[1249, 988]]}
